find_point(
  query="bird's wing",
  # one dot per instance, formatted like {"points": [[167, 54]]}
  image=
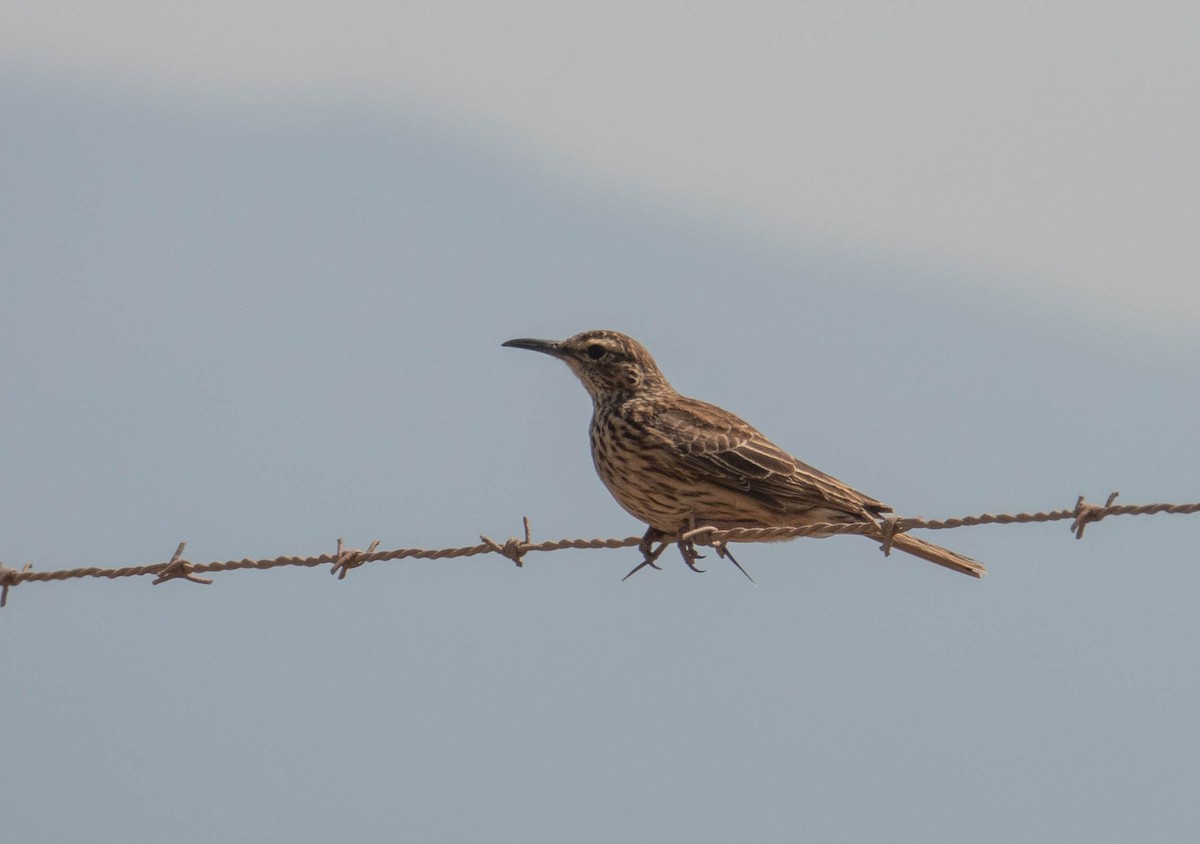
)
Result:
{"points": [[721, 447]]}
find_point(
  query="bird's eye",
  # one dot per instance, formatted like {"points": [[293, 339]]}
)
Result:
{"points": [[596, 351]]}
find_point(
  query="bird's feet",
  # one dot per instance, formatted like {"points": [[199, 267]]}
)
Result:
{"points": [[649, 552], [687, 549]]}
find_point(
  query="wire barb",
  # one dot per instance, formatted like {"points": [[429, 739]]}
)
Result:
{"points": [[177, 567], [350, 558], [513, 548], [10, 577], [887, 532], [1086, 513]]}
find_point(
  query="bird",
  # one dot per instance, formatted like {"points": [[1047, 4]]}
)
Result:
{"points": [[677, 463]]}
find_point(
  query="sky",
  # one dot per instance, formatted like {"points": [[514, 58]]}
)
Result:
{"points": [[1016, 136], [255, 268]]}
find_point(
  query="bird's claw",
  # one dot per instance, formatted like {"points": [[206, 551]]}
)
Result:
{"points": [[649, 553], [687, 549], [639, 567], [724, 553]]}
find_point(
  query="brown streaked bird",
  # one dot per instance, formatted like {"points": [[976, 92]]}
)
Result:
{"points": [[676, 463]]}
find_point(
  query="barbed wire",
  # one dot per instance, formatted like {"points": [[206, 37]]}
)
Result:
{"points": [[344, 559]]}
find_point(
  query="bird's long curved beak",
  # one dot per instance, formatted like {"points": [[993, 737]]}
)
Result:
{"points": [[546, 347]]}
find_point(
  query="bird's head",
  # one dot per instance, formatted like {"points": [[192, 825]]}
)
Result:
{"points": [[609, 363]]}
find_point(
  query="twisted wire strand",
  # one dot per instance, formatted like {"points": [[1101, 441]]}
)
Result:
{"points": [[343, 560]]}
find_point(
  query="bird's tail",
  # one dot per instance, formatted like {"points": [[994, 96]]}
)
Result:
{"points": [[937, 554]]}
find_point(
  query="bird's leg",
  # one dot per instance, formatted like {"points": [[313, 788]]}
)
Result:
{"points": [[687, 548], [649, 552], [646, 546]]}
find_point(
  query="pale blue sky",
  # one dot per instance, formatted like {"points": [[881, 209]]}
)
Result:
{"points": [[254, 282]]}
